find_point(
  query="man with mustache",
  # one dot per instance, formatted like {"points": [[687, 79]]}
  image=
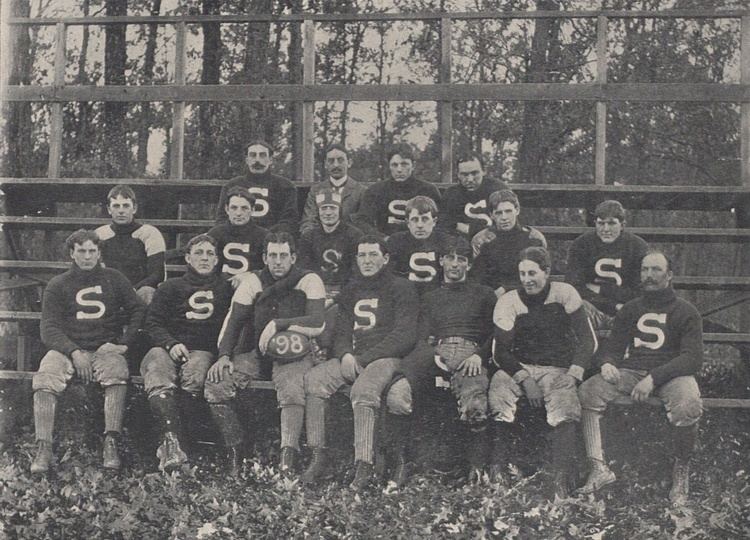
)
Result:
{"points": [[337, 163], [656, 348], [275, 196], [604, 264], [466, 208]]}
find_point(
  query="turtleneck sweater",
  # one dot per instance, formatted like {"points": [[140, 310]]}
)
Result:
{"points": [[189, 309], [658, 332], [136, 250], [383, 205], [240, 247]]}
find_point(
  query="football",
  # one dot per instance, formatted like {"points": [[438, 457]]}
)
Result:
{"points": [[288, 346]]}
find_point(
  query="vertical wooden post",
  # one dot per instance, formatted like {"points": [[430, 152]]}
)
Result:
{"points": [[308, 107], [177, 149], [600, 166], [445, 121], [742, 213], [56, 109]]}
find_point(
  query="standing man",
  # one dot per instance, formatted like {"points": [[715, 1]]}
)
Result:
{"points": [[495, 247], [183, 322], [656, 348], [337, 163], [82, 325], [275, 196], [240, 241], [135, 249], [604, 265], [383, 207], [376, 326], [543, 344], [416, 251], [453, 351], [280, 309], [466, 208]]}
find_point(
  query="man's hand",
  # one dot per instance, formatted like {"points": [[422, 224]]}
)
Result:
{"points": [[610, 373], [533, 392], [268, 332], [216, 372], [643, 389], [350, 368], [618, 307], [471, 366], [179, 352], [564, 381], [594, 288], [499, 291], [112, 348], [237, 279], [82, 363], [146, 294]]}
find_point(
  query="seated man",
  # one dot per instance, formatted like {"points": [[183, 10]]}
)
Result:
{"points": [[604, 265], [466, 209], [376, 326], [240, 241], [453, 351], [183, 322], [329, 247], [83, 314], [135, 249], [656, 347], [492, 264], [284, 300], [415, 253], [543, 345]]}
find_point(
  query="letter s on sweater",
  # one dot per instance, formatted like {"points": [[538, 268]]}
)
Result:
{"points": [[83, 302]]}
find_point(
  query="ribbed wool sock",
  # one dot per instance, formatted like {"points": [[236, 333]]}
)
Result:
{"points": [[364, 433], [292, 418], [315, 421], [114, 407], [44, 415]]}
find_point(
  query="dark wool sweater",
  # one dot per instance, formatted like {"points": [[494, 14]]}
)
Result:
{"points": [[330, 254], [468, 212], [84, 309], [418, 259], [134, 249], [548, 329], [190, 310], [496, 265], [657, 332], [240, 247], [382, 209], [276, 201], [615, 267], [377, 318]]}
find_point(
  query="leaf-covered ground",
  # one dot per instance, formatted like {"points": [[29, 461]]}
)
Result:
{"points": [[79, 500]]}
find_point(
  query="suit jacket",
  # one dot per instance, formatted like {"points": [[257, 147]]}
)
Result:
{"points": [[350, 198]]}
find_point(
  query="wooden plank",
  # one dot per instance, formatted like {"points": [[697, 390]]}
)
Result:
{"points": [[177, 140], [445, 108], [308, 107], [745, 106], [637, 92], [56, 109], [709, 403], [416, 16], [602, 58]]}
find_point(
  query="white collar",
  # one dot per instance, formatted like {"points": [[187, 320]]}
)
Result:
{"points": [[338, 183]]}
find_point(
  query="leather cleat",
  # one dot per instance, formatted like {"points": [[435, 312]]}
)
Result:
{"points": [[318, 468], [110, 455], [598, 478], [363, 476], [170, 454], [43, 458]]}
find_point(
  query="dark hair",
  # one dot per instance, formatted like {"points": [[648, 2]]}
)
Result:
{"points": [[610, 209], [280, 237], [239, 191], [336, 146], [538, 255], [458, 245], [501, 196], [657, 251], [469, 156], [373, 239], [402, 150], [121, 190], [422, 204], [260, 142], [79, 237], [195, 240]]}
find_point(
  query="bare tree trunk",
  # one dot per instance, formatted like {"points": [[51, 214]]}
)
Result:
{"points": [[144, 127], [81, 143], [210, 74], [256, 66], [294, 53], [115, 57]]}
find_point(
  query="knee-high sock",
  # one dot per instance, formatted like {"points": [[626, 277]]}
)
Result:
{"points": [[292, 418], [315, 421], [364, 433], [564, 440], [226, 419], [683, 439], [44, 415], [114, 407], [592, 436]]}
